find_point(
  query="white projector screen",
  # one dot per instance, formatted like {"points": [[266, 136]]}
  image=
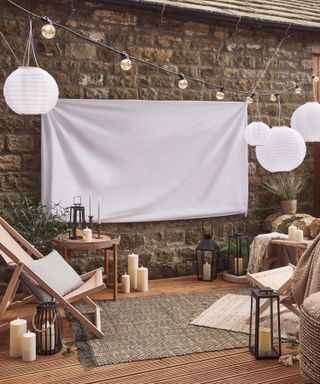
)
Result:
{"points": [[147, 160]]}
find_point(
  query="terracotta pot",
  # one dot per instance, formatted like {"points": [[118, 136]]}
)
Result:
{"points": [[289, 206]]}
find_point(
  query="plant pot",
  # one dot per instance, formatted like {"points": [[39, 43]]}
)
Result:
{"points": [[289, 206]]}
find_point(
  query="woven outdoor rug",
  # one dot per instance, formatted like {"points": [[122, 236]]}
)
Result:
{"points": [[154, 327], [232, 312]]}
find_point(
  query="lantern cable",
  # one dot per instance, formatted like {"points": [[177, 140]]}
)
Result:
{"points": [[9, 46]]}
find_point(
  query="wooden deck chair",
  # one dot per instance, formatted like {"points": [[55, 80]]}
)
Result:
{"points": [[18, 252], [278, 279]]}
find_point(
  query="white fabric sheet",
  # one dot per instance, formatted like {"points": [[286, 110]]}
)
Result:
{"points": [[147, 160]]}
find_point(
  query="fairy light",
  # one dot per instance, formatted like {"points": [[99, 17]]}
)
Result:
{"points": [[183, 83], [250, 99], [297, 90], [315, 78], [220, 94], [274, 97], [125, 63], [48, 30]]}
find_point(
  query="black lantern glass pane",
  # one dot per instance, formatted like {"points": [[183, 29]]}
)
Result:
{"points": [[207, 254], [238, 253], [77, 220]]}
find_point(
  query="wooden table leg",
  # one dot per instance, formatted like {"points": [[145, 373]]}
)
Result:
{"points": [[115, 271], [106, 260]]}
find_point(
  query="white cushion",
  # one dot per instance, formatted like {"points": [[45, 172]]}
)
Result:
{"points": [[56, 272]]}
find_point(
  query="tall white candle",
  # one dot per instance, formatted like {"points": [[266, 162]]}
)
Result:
{"points": [[90, 203], [206, 271], [87, 234], [291, 232], [142, 279], [298, 236], [17, 328], [238, 265], [133, 262], [125, 283], [28, 344], [99, 218], [48, 337]]}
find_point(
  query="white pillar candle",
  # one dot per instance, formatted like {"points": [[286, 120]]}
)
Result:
{"points": [[48, 334], [28, 344], [238, 265], [142, 277], [87, 234], [264, 341], [298, 236], [17, 328], [90, 203], [291, 232], [206, 271], [133, 262], [125, 283]]}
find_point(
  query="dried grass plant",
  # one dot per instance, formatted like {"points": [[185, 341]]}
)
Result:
{"points": [[286, 185]]}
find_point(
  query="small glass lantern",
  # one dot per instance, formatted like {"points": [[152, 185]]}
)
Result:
{"points": [[207, 253], [265, 333], [77, 220], [238, 253]]}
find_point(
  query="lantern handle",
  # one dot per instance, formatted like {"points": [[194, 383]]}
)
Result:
{"points": [[203, 230], [45, 329]]}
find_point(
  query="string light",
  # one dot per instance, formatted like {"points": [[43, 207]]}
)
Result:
{"points": [[125, 63], [315, 78], [220, 94], [274, 97], [250, 99], [48, 30], [183, 83], [297, 90]]}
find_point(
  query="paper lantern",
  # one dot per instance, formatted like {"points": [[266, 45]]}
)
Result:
{"points": [[30, 91], [283, 151], [256, 133], [306, 120]]}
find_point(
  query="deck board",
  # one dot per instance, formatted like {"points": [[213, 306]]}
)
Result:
{"points": [[235, 366]]}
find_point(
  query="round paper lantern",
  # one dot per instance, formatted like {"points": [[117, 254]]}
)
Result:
{"points": [[30, 91], [306, 120], [283, 151], [256, 133]]}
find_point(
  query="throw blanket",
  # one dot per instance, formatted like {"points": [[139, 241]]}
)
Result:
{"points": [[259, 250], [306, 277]]}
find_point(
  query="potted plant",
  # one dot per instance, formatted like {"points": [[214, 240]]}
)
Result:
{"points": [[287, 186]]}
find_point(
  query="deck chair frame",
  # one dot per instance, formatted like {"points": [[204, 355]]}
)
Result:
{"points": [[93, 282]]}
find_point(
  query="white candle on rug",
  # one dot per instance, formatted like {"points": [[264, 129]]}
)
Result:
{"points": [[298, 236], [28, 345], [291, 232], [125, 283], [133, 262], [206, 271], [17, 328], [87, 234], [142, 276]]}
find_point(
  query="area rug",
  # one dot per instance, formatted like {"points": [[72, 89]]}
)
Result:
{"points": [[231, 312], [154, 327]]}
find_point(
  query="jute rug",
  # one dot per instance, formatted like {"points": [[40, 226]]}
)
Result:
{"points": [[154, 327], [231, 312]]}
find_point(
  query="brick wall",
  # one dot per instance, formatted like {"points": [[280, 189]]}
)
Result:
{"points": [[193, 46]]}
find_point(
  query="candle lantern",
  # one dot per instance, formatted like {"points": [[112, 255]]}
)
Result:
{"points": [[265, 336], [238, 253], [207, 253], [77, 220], [47, 325]]}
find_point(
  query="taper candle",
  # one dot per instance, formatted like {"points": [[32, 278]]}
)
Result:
{"points": [[99, 218], [90, 203]]}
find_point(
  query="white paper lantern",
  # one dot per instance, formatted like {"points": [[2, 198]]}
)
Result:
{"points": [[283, 151], [306, 120], [30, 91], [256, 133]]}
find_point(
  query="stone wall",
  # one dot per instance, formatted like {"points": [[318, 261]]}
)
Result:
{"points": [[197, 47]]}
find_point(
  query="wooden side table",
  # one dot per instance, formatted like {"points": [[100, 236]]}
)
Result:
{"points": [[106, 242], [282, 251]]}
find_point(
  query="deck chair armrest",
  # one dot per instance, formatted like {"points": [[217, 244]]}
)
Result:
{"points": [[87, 275]]}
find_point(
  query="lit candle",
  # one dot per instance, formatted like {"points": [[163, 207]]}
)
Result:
{"points": [[48, 337], [264, 341], [28, 345], [238, 265], [298, 236], [87, 234], [142, 279], [17, 328], [291, 232], [125, 283], [90, 203], [99, 218], [206, 271], [133, 262]]}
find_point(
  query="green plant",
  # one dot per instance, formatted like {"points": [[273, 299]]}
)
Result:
{"points": [[38, 223], [286, 185]]}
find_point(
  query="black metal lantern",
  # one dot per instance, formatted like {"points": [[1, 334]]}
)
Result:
{"points": [[47, 326], [238, 253], [265, 333], [77, 220], [207, 253]]}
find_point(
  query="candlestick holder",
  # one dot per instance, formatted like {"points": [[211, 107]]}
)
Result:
{"points": [[99, 231], [90, 221]]}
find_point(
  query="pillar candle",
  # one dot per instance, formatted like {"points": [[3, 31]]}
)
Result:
{"points": [[298, 236], [17, 328], [48, 337], [291, 232], [87, 234], [133, 261], [238, 265], [206, 271], [142, 277], [264, 341], [125, 283], [28, 344]]}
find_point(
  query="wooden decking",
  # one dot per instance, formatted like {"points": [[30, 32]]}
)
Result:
{"points": [[235, 366]]}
